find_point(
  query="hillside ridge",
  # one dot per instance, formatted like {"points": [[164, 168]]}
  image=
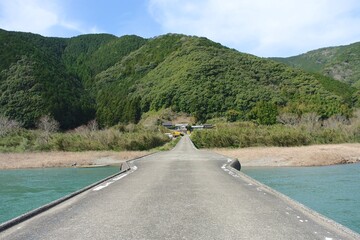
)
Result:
{"points": [[338, 62], [117, 79]]}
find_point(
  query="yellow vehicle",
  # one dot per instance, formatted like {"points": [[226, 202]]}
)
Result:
{"points": [[176, 134]]}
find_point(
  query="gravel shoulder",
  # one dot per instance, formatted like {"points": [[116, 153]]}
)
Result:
{"points": [[66, 159], [316, 155]]}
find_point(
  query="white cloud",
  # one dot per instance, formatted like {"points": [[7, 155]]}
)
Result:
{"points": [[38, 16], [263, 27]]}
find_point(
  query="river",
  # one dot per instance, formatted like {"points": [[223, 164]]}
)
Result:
{"points": [[26, 189], [333, 191]]}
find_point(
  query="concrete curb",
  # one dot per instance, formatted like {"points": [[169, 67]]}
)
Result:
{"points": [[297, 205], [235, 164], [46, 207], [125, 166], [235, 167]]}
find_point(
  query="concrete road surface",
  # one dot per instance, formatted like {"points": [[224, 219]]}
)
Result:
{"points": [[181, 194]]}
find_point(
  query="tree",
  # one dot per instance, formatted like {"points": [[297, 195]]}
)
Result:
{"points": [[232, 115], [132, 112], [264, 113], [7, 125], [21, 93], [48, 124], [93, 125]]}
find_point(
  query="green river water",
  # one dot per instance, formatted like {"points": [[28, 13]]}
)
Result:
{"points": [[333, 191], [25, 190]]}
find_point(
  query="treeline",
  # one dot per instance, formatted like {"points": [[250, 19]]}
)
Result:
{"points": [[14, 138], [341, 63], [290, 130]]}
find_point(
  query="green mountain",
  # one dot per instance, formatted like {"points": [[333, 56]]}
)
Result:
{"points": [[118, 79], [200, 77], [341, 63], [40, 76]]}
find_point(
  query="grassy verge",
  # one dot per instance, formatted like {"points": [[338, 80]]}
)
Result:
{"points": [[168, 146], [240, 135], [85, 140]]}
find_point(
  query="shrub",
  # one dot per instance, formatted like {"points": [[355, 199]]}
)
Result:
{"points": [[48, 124], [84, 140], [310, 130], [7, 125]]}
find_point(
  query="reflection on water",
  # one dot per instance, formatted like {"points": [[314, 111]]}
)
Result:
{"points": [[24, 190], [333, 191]]}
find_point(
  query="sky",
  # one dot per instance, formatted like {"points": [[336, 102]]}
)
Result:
{"points": [[266, 28]]}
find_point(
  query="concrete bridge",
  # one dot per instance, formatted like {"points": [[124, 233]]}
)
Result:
{"points": [[181, 194]]}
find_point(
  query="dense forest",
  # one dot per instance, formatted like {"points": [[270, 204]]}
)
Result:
{"points": [[40, 76], [341, 63], [118, 79]]}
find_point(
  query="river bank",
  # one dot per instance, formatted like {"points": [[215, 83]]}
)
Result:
{"points": [[316, 155], [66, 159]]}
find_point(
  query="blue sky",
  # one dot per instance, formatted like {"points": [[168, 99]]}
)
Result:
{"points": [[261, 27]]}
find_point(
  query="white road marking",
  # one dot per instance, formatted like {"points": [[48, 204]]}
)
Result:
{"points": [[326, 238], [301, 220], [229, 160], [103, 186], [228, 171], [119, 177], [114, 179]]}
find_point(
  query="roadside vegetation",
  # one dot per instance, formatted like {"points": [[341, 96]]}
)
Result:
{"points": [[290, 130], [88, 137], [169, 145]]}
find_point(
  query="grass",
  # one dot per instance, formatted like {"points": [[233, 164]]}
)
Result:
{"points": [[168, 146], [82, 140], [247, 134]]}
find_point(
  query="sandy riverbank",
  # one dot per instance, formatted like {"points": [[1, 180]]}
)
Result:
{"points": [[317, 155], [65, 159]]}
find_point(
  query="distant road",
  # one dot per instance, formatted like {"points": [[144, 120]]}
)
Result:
{"points": [[181, 194]]}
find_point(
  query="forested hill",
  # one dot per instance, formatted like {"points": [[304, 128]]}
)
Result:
{"points": [[118, 79], [341, 63], [40, 76]]}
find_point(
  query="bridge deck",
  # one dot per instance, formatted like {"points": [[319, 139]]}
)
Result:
{"points": [[181, 194]]}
